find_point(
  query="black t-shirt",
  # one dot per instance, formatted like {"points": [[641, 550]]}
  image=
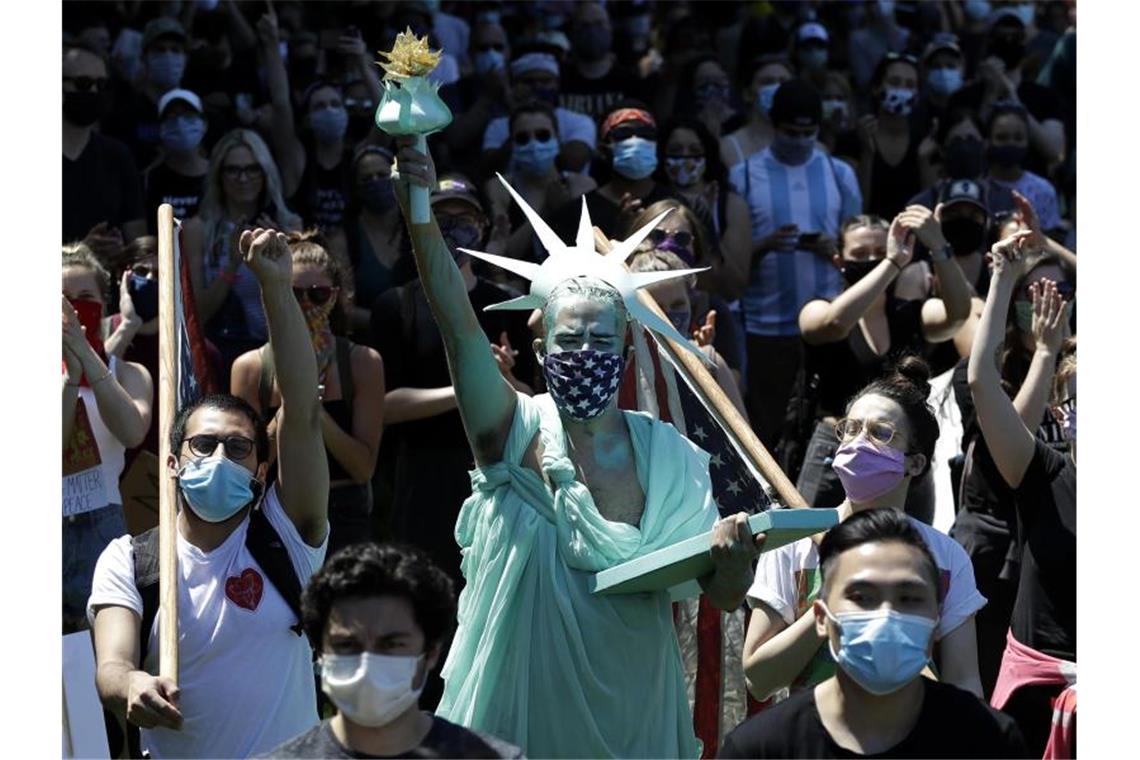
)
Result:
{"points": [[952, 723], [164, 185], [1040, 101], [134, 120], [405, 333], [102, 185], [596, 97], [443, 740], [323, 195], [892, 185], [1045, 612], [604, 213], [846, 366]]}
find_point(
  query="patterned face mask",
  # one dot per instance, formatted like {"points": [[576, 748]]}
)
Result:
{"points": [[582, 383], [685, 171]]}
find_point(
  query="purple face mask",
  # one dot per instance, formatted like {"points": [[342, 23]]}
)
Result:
{"points": [[867, 471]]}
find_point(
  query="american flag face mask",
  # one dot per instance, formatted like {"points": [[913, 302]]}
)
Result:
{"points": [[582, 383]]}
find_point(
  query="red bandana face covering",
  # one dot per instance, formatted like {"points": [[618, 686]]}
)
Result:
{"points": [[90, 315], [317, 320]]}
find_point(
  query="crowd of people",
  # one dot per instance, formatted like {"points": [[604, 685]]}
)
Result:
{"points": [[881, 200]]}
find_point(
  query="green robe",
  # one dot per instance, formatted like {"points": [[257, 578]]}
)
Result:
{"points": [[537, 659]]}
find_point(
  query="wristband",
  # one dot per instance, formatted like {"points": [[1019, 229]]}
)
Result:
{"points": [[942, 254], [895, 263]]}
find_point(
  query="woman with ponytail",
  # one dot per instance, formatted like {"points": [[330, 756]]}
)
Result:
{"points": [[886, 441], [351, 388]]}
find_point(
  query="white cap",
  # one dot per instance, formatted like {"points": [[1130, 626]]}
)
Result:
{"points": [[812, 31], [184, 95]]}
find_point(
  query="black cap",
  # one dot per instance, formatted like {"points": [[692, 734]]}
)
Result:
{"points": [[796, 103], [963, 191]]}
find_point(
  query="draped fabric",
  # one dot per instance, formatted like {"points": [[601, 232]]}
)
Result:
{"points": [[537, 659]]}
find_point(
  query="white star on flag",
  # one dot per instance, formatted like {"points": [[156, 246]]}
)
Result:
{"points": [[733, 487], [699, 432]]}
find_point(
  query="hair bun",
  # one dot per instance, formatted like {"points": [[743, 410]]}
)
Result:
{"points": [[916, 371]]}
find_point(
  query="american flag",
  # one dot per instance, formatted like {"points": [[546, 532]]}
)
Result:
{"points": [[194, 378]]}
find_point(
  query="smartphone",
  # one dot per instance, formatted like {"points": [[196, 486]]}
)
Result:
{"points": [[808, 238], [330, 38]]}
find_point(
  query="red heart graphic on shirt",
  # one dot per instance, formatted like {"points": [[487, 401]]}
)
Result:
{"points": [[245, 590]]}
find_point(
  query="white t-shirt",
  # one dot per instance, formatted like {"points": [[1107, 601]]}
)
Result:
{"points": [[788, 581], [246, 680], [571, 126]]}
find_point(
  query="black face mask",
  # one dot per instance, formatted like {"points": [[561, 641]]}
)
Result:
{"points": [[1009, 50], [84, 108], [1006, 155], [964, 235], [964, 158], [853, 271]]}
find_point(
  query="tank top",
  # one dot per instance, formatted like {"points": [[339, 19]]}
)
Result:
{"points": [[93, 459]]}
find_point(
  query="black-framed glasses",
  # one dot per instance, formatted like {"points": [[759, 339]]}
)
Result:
{"points": [[317, 295], [680, 237], [242, 171], [236, 446], [848, 429], [86, 84], [541, 135], [626, 131]]}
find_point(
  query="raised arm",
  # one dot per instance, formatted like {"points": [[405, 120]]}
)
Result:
{"points": [[1048, 334], [1010, 442], [302, 469], [941, 317], [824, 322], [287, 147], [486, 401]]}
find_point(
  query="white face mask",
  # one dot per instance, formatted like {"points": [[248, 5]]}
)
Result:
{"points": [[370, 689]]}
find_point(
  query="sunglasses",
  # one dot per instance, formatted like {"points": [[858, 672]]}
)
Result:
{"points": [[317, 295], [541, 135], [626, 131], [236, 446], [85, 84], [248, 171], [848, 429], [681, 237]]}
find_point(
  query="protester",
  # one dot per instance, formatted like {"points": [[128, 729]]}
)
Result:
{"points": [[878, 610], [534, 147], [706, 94], [594, 83], [764, 78], [243, 189], [1039, 663], [943, 73], [106, 409], [245, 676], [351, 389], [102, 197], [851, 339], [793, 242], [620, 641], [869, 44], [178, 177], [380, 615], [888, 165], [837, 131], [1007, 141], [481, 94], [887, 440]]}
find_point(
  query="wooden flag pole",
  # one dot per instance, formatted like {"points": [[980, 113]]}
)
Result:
{"points": [[167, 494], [719, 404]]}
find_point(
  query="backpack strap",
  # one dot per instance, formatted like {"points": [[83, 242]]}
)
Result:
{"points": [[267, 548], [144, 553], [265, 380], [344, 368]]}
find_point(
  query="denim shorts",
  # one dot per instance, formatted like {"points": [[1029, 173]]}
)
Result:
{"points": [[85, 536]]}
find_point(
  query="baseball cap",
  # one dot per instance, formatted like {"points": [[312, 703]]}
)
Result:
{"points": [[812, 31], [1001, 14], [163, 26], [184, 95], [942, 41], [796, 103], [963, 191], [459, 187]]}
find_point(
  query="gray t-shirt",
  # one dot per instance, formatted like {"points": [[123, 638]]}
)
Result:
{"points": [[443, 740]]}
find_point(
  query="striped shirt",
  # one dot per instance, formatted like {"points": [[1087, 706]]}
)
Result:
{"points": [[815, 196]]}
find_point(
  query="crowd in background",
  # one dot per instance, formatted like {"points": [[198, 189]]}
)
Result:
{"points": [[795, 142]]}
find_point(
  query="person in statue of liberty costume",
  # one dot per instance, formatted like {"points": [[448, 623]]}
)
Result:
{"points": [[565, 485]]}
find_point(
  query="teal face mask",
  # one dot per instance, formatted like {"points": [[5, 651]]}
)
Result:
{"points": [[216, 489], [1023, 312]]}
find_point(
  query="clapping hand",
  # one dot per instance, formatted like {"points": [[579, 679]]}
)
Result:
{"points": [[1027, 215], [126, 305], [1007, 257], [1049, 323], [900, 241], [925, 224], [706, 333], [266, 253]]}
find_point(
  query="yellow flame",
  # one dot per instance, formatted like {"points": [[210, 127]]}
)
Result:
{"points": [[410, 57]]}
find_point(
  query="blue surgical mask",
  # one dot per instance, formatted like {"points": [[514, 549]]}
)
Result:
{"points": [[144, 296], [582, 383], [329, 124], [635, 157], [166, 69], [882, 650], [489, 60], [976, 10], [535, 158], [887, 8], [217, 488], [793, 151], [813, 59], [1026, 12], [944, 82], [764, 97], [182, 134]]}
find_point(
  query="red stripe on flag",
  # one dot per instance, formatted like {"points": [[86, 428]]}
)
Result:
{"points": [[198, 351], [706, 712]]}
